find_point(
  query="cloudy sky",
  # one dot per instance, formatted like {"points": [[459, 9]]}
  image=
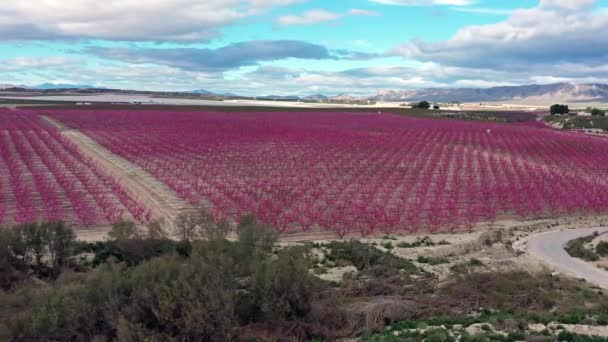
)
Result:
{"points": [[301, 47]]}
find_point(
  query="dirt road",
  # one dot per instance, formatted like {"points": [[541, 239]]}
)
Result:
{"points": [[155, 195], [549, 249]]}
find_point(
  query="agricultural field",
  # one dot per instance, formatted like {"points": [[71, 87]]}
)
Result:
{"points": [[356, 172], [43, 176], [323, 175]]}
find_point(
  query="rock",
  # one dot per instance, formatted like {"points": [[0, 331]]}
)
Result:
{"points": [[476, 329], [457, 327], [536, 327]]}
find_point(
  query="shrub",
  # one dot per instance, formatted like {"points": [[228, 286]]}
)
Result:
{"points": [[422, 105], [558, 109], [365, 256], [40, 247], [421, 242], [432, 260], [577, 249], [203, 296], [602, 248]]}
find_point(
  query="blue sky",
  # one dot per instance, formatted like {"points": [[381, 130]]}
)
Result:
{"points": [[303, 47]]}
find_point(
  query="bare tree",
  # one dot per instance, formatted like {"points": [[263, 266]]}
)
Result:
{"points": [[123, 230], [156, 230], [187, 224], [200, 224]]}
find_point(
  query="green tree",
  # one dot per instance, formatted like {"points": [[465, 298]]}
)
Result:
{"points": [[422, 105], [35, 239], [597, 112], [558, 109], [60, 243]]}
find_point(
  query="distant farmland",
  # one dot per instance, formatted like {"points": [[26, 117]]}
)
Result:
{"points": [[356, 172]]}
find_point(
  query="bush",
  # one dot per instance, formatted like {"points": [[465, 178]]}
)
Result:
{"points": [[558, 109], [43, 248], [422, 105], [577, 249], [203, 296], [432, 260], [602, 248], [421, 242], [365, 256]]}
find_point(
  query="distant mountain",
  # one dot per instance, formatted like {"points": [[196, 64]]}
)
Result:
{"points": [[229, 95], [345, 97], [558, 92], [316, 97], [279, 98], [201, 92], [49, 86], [7, 86]]}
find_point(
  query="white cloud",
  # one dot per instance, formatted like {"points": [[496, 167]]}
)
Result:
{"points": [[553, 33], [269, 79], [356, 11], [567, 4], [314, 16], [27, 63], [424, 2], [154, 20], [482, 10]]}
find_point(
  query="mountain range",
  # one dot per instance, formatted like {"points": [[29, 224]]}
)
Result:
{"points": [[558, 92], [525, 94], [50, 86]]}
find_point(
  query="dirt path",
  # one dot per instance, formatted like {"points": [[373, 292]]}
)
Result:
{"points": [[155, 195], [549, 249]]}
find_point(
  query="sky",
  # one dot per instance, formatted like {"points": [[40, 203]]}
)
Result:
{"points": [[303, 47]]}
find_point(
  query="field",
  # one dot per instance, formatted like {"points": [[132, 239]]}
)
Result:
{"points": [[318, 175], [45, 177], [356, 172]]}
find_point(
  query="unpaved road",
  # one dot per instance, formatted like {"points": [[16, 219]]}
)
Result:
{"points": [[549, 249], [155, 195]]}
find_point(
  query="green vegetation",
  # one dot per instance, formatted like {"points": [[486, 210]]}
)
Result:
{"points": [[468, 266], [139, 285], [365, 257], [580, 122], [602, 248], [598, 112], [432, 260], [43, 249], [422, 242], [512, 325], [207, 295], [422, 105], [558, 109], [577, 248]]}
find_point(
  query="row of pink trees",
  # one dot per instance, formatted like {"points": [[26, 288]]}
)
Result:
{"points": [[51, 179], [357, 172]]}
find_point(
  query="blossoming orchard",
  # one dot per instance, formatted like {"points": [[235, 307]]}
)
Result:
{"points": [[43, 176], [345, 172]]}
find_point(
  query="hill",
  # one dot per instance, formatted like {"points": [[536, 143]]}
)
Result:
{"points": [[550, 93]]}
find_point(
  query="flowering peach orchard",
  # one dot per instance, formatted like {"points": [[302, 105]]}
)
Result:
{"points": [[43, 176], [347, 172]]}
